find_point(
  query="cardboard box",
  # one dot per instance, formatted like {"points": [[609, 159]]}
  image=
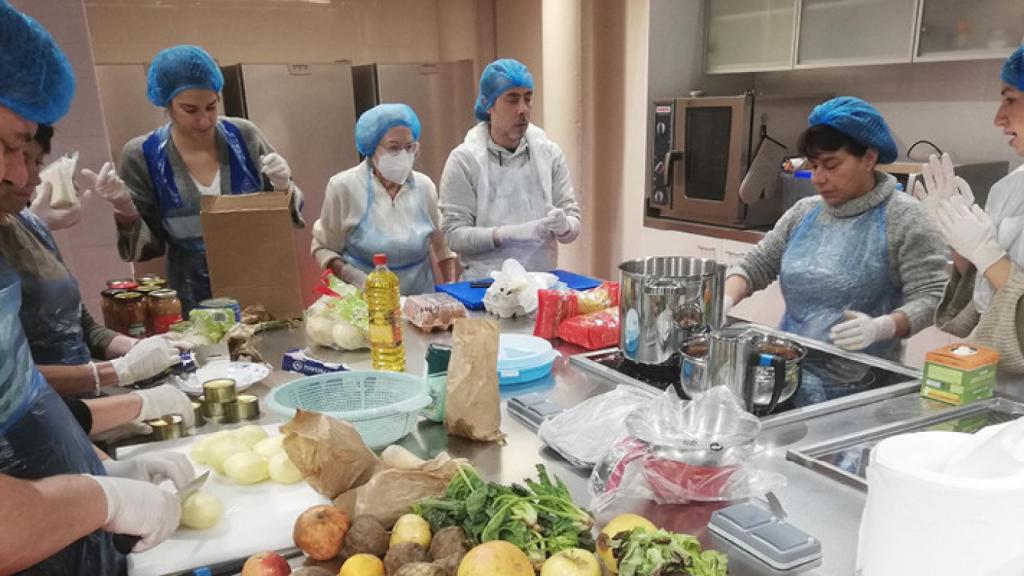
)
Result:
{"points": [[250, 251], [959, 373]]}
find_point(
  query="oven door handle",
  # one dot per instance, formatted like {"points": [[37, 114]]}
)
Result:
{"points": [[670, 159]]}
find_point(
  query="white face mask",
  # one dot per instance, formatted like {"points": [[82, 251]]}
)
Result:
{"points": [[395, 167]]}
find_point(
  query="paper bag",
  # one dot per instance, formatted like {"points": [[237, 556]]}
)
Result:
{"points": [[473, 406], [330, 453], [250, 251]]}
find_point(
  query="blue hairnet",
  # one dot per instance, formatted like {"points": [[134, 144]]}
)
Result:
{"points": [[375, 123], [858, 120], [499, 77], [36, 81], [180, 68], [1013, 69]]}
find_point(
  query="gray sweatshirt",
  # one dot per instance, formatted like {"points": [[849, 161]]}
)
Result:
{"points": [[917, 253]]}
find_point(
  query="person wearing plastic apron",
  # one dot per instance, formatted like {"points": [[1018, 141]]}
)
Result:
{"points": [[506, 190], [166, 173], [383, 206], [860, 264]]}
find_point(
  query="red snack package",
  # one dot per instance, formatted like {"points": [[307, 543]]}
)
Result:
{"points": [[553, 307], [592, 331]]}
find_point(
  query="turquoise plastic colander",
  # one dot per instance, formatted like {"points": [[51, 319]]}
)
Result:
{"points": [[382, 406]]}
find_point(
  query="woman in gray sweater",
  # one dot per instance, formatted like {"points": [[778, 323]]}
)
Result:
{"points": [[860, 265]]}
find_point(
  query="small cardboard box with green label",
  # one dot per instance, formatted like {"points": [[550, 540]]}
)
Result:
{"points": [[959, 373]]}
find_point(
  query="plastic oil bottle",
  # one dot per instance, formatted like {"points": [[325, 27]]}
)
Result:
{"points": [[382, 298]]}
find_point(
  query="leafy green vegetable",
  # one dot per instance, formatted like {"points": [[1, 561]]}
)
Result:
{"points": [[641, 552], [540, 518]]}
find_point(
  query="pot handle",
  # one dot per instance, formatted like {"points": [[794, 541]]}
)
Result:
{"points": [[778, 364]]}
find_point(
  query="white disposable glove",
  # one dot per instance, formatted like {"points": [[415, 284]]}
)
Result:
{"points": [[55, 218], [154, 467], [534, 231], [277, 170], [938, 182], [109, 186], [139, 509], [148, 358], [163, 400], [860, 330], [558, 222], [969, 231]]}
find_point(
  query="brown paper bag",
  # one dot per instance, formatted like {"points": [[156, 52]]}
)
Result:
{"points": [[330, 453], [403, 480], [473, 406]]}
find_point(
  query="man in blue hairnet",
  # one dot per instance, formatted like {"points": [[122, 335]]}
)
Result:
{"points": [[506, 190], [59, 505]]}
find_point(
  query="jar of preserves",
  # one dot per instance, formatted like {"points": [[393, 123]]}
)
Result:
{"points": [[164, 310], [154, 279], [109, 307], [130, 312], [122, 284]]}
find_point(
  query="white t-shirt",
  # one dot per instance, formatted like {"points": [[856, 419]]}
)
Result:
{"points": [[213, 189]]}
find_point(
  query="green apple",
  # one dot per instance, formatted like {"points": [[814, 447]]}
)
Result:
{"points": [[571, 562]]}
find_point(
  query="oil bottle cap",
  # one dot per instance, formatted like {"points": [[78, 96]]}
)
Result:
{"points": [[380, 259]]}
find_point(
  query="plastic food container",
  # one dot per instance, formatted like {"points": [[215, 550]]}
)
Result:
{"points": [[523, 358], [430, 311]]}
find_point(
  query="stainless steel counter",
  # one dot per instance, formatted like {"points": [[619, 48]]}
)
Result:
{"points": [[819, 505]]}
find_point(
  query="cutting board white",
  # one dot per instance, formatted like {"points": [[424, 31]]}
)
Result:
{"points": [[256, 518]]}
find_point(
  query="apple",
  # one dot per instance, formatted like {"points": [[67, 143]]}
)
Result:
{"points": [[571, 562], [620, 523], [266, 564], [320, 531]]}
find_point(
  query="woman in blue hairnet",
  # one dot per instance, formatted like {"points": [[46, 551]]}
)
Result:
{"points": [[166, 172], [984, 293], [59, 502], [859, 264], [384, 206]]}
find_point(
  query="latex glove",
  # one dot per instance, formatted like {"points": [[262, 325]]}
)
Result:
{"points": [[277, 170], [558, 222], [148, 358], [860, 330], [163, 400], [118, 433], [938, 181], [109, 186], [969, 231], [154, 467], [139, 509], [54, 218], [534, 231]]}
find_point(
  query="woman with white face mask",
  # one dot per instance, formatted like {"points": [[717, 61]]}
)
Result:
{"points": [[384, 206]]}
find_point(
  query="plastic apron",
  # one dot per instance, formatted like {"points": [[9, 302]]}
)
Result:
{"points": [[408, 251], [829, 267], [186, 252], [512, 195], [39, 437], [51, 306]]}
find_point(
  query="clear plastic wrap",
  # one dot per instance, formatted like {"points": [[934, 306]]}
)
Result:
{"points": [[430, 311], [557, 306], [675, 452], [592, 331], [339, 318]]}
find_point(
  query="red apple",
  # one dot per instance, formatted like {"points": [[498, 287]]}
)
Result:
{"points": [[266, 564]]}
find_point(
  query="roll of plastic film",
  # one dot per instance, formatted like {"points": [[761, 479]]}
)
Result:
{"points": [[220, 390]]}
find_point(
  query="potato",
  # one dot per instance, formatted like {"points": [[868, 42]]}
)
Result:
{"points": [[282, 470], [250, 435], [367, 536], [402, 554], [411, 528], [448, 542], [320, 531], [269, 446], [201, 510], [420, 569], [313, 571], [223, 449], [362, 565], [247, 468], [200, 452], [450, 564]]}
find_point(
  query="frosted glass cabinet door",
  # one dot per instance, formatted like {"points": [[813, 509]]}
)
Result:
{"points": [[835, 32], [749, 35], [954, 29]]}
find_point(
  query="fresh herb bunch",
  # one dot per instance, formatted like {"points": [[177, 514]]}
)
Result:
{"points": [[540, 518], [641, 552]]}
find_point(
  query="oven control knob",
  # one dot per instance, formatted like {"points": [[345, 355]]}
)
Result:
{"points": [[660, 128]]}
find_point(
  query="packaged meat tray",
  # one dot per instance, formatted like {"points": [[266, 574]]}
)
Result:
{"points": [[430, 311]]}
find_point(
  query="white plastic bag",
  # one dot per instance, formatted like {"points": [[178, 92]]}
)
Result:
{"points": [[60, 174], [514, 291]]}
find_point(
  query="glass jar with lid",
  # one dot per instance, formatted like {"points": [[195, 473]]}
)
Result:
{"points": [[164, 309], [130, 311], [109, 307]]}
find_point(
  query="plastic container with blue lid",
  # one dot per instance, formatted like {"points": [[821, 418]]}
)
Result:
{"points": [[523, 358]]}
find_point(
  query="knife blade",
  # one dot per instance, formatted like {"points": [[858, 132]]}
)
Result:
{"points": [[124, 543]]}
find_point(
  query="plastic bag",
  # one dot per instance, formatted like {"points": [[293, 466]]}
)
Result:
{"points": [[339, 319], [584, 433], [557, 306], [675, 452], [592, 331], [514, 290], [429, 311]]}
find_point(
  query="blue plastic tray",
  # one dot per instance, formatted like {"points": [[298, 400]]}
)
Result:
{"points": [[473, 298]]}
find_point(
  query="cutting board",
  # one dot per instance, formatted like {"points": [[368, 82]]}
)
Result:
{"points": [[473, 298], [256, 518]]}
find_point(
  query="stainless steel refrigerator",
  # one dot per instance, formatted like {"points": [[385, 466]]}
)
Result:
{"points": [[442, 95], [307, 113]]}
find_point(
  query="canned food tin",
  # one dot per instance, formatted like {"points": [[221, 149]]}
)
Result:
{"points": [[220, 390], [170, 427], [212, 411], [230, 303], [247, 407], [231, 415], [197, 409]]}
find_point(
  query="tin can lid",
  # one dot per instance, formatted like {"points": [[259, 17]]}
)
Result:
{"points": [[128, 296], [164, 293]]}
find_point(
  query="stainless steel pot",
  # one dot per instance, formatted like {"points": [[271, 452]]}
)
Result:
{"points": [[663, 301]]}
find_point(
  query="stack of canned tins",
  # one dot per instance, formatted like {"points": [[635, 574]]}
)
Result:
{"points": [[221, 403]]}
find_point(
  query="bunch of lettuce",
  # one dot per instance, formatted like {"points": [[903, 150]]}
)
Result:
{"points": [[641, 552], [540, 517]]}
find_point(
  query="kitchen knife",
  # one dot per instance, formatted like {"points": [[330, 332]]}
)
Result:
{"points": [[124, 543]]}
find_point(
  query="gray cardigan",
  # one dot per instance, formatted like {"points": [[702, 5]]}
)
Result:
{"points": [[917, 253], [147, 238]]}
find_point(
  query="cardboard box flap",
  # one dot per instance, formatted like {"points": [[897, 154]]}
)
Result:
{"points": [[246, 202]]}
